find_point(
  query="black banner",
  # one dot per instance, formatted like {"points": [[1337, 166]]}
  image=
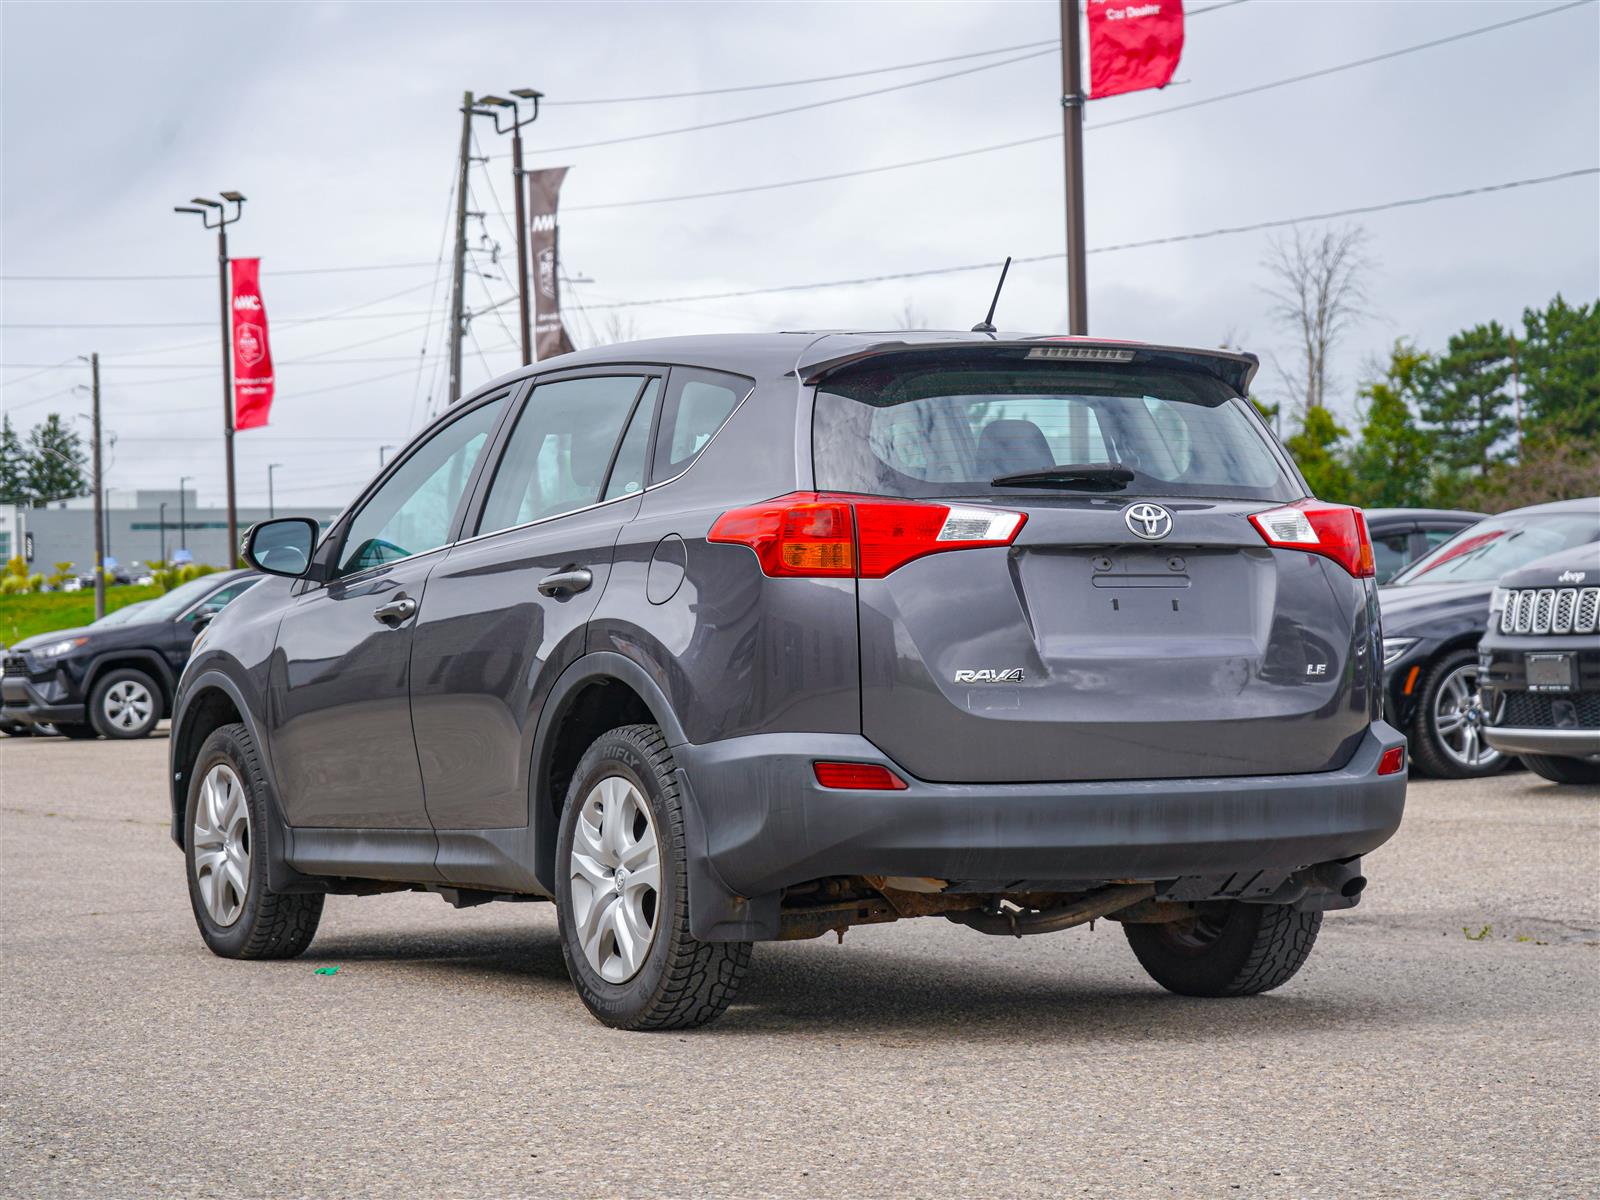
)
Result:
{"points": [[544, 259]]}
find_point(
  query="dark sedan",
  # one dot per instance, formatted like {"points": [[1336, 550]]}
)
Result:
{"points": [[1435, 611]]}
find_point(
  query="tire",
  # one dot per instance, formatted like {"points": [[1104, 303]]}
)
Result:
{"points": [[675, 981], [1563, 770], [1230, 949], [218, 823], [125, 703], [1443, 750], [76, 732]]}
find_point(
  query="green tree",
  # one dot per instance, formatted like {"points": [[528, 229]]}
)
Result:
{"points": [[1465, 404], [1315, 449], [1391, 463], [1559, 365], [55, 461], [13, 466]]}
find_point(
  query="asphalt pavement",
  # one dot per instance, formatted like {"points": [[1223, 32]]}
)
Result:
{"points": [[1443, 1040]]}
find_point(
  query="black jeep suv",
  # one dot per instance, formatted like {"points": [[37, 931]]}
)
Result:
{"points": [[115, 677], [720, 640]]}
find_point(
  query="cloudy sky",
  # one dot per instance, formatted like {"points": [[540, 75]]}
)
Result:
{"points": [[340, 123]]}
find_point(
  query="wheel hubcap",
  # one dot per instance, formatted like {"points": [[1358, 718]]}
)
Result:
{"points": [[222, 845], [128, 705], [616, 879], [1458, 719]]}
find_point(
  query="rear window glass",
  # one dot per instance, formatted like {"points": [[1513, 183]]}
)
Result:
{"points": [[697, 404], [953, 432]]}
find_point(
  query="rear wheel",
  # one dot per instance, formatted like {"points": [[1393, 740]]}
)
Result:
{"points": [[1563, 770], [224, 841], [622, 893], [1447, 730], [125, 703], [1227, 949]]}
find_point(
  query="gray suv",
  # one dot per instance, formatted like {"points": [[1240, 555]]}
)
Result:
{"points": [[722, 640]]}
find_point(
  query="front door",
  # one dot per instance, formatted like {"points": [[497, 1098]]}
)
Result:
{"points": [[507, 609], [340, 685]]}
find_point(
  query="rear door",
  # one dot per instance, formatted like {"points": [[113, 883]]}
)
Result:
{"points": [[1136, 628], [508, 608]]}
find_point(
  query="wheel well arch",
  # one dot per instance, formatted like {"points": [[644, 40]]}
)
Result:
{"points": [[147, 661], [206, 711], [599, 692]]}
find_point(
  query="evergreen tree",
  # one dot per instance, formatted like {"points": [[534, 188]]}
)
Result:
{"points": [[1559, 366], [13, 466], [55, 461], [1466, 405], [1315, 450], [1391, 464]]}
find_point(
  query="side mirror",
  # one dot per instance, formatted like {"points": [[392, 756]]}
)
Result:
{"points": [[200, 620], [283, 546]]}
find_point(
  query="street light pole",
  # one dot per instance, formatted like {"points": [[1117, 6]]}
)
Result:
{"points": [[1072, 101], [272, 508], [183, 513], [498, 104], [99, 497], [208, 210], [161, 516]]}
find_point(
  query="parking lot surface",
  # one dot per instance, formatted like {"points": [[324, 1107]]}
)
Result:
{"points": [[1444, 1038]]}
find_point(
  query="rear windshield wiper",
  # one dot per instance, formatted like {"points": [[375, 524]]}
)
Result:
{"points": [[1093, 476]]}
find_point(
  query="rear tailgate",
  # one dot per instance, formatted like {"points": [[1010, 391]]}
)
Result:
{"points": [[1082, 652]]}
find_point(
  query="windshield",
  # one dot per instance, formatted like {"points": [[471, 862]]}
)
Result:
{"points": [[1483, 552], [164, 608], [126, 613], [955, 430]]}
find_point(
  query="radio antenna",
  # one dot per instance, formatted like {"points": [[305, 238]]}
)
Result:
{"points": [[987, 324]]}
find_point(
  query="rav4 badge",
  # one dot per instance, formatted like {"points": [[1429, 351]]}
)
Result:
{"points": [[991, 675]]}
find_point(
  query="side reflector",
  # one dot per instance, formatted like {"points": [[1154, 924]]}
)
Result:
{"points": [[1393, 761], [1334, 531], [858, 777], [1411, 678]]}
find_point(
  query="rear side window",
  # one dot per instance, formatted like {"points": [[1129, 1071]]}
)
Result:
{"points": [[951, 432], [697, 404], [557, 457]]}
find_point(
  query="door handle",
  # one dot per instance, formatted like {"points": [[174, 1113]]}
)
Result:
{"points": [[395, 611], [566, 583]]}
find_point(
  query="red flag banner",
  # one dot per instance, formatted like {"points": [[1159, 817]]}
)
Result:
{"points": [[1133, 44], [252, 357]]}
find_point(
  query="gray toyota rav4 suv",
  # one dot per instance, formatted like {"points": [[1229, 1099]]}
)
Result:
{"points": [[730, 639]]}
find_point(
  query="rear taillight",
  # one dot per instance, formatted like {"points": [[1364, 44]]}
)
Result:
{"points": [[811, 533], [1393, 761], [1334, 531]]}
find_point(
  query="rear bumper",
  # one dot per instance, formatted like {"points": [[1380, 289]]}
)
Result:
{"points": [[1562, 743], [761, 822]]}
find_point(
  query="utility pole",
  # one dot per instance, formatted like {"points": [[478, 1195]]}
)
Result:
{"points": [[99, 496], [497, 105], [218, 209], [1516, 392], [272, 508], [458, 308], [183, 514], [1072, 101]]}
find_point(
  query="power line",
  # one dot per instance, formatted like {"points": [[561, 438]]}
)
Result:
{"points": [[786, 83], [1056, 136], [779, 112], [280, 322], [152, 278], [1161, 241], [287, 362]]}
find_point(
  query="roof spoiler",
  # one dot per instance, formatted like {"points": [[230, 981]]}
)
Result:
{"points": [[1235, 369]]}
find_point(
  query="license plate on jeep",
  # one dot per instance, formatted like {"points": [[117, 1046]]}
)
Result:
{"points": [[1549, 672]]}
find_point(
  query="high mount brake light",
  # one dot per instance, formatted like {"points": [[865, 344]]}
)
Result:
{"points": [[865, 537], [1334, 531]]}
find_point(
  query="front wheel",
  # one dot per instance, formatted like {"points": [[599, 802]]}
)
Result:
{"points": [[622, 893], [125, 703], [225, 825], [1447, 731], [1227, 948], [1563, 770]]}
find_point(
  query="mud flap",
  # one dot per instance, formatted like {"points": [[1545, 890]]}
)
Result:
{"points": [[716, 912]]}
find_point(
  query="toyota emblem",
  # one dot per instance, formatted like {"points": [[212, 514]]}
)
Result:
{"points": [[1148, 521]]}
